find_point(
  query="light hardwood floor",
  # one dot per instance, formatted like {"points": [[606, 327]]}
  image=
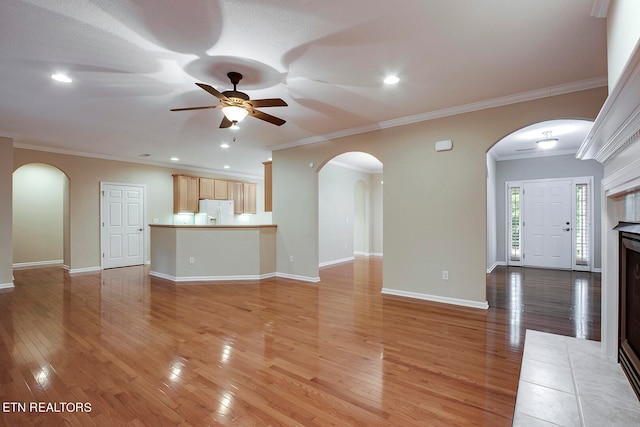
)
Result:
{"points": [[142, 351]]}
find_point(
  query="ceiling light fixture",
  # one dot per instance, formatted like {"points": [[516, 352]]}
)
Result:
{"points": [[224, 145], [227, 166], [391, 80], [61, 78], [234, 114], [174, 159], [547, 142]]}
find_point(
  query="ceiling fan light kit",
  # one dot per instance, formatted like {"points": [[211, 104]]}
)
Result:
{"points": [[237, 105], [234, 113]]}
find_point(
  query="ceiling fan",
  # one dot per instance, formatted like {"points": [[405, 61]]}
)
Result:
{"points": [[237, 105]]}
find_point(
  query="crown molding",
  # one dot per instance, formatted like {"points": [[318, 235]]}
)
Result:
{"points": [[531, 155], [453, 111], [173, 166]]}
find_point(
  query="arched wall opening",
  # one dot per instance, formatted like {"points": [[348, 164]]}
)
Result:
{"points": [[40, 216], [518, 159], [349, 208]]}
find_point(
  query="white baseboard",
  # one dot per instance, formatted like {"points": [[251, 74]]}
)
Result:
{"points": [[232, 278], [497, 263], [367, 253], [335, 261], [211, 278], [297, 277], [7, 286], [37, 263], [436, 298], [84, 270], [596, 270]]}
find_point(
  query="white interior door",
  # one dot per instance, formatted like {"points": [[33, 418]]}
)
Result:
{"points": [[122, 225], [547, 224]]}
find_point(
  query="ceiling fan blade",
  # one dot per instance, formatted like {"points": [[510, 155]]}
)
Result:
{"points": [[195, 108], [271, 102], [212, 91], [226, 123], [267, 117]]}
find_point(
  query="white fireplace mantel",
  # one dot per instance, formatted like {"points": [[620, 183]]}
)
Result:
{"points": [[618, 123], [612, 141]]}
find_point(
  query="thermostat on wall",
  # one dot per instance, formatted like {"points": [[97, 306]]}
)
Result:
{"points": [[444, 145]]}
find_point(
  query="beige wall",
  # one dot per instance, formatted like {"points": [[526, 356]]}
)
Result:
{"points": [[38, 211], [434, 203], [6, 228], [85, 175], [623, 34]]}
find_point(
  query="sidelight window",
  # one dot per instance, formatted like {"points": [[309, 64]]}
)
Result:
{"points": [[582, 224], [515, 221]]}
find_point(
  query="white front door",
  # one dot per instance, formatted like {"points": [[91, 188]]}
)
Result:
{"points": [[122, 225], [547, 224]]}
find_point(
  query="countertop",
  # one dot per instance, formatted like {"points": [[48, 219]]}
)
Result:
{"points": [[230, 226]]}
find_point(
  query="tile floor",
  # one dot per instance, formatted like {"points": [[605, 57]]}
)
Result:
{"points": [[568, 382]]}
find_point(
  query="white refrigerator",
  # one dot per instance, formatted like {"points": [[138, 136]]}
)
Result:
{"points": [[215, 212]]}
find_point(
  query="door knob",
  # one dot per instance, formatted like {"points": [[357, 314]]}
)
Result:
{"points": [[139, 229], [567, 229]]}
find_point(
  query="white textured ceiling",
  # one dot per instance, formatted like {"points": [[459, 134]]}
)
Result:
{"points": [[133, 60], [523, 144]]}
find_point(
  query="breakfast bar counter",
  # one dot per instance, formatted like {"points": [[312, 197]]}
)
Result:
{"points": [[196, 253]]}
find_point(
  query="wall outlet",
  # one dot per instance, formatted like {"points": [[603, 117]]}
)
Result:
{"points": [[445, 275], [291, 258], [192, 260]]}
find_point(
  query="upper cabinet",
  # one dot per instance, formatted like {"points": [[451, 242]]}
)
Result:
{"points": [[268, 195], [243, 195], [188, 190], [185, 193], [211, 188], [250, 197]]}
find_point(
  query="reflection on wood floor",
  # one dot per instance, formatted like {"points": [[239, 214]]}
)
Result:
{"points": [[143, 351]]}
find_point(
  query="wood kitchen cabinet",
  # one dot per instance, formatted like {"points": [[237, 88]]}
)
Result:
{"points": [[250, 197], [211, 188], [243, 195], [268, 195], [186, 190]]}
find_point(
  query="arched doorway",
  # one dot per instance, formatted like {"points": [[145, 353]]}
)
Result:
{"points": [[519, 161], [40, 216], [349, 208]]}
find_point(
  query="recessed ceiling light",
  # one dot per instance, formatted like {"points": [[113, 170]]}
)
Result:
{"points": [[61, 78], [224, 145], [227, 166], [391, 80], [174, 159]]}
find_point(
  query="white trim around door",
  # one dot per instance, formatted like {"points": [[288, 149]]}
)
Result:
{"points": [[123, 230], [581, 222]]}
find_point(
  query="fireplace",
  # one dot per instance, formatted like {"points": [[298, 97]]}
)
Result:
{"points": [[629, 303]]}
